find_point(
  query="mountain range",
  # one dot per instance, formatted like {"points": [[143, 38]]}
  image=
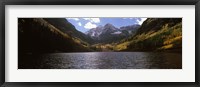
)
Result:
{"points": [[109, 33]]}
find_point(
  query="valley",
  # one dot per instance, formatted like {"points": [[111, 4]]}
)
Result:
{"points": [[58, 35]]}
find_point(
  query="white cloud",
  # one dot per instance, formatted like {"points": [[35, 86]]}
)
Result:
{"points": [[138, 20], [89, 25], [141, 21], [79, 23], [93, 20], [75, 19]]}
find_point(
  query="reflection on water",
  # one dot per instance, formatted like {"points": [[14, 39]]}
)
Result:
{"points": [[102, 60]]}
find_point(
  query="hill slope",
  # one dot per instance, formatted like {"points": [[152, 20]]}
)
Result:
{"points": [[66, 27], [38, 36], [155, 34]]}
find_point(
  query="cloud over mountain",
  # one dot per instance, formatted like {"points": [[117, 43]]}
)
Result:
{"points": [[90, 25]]}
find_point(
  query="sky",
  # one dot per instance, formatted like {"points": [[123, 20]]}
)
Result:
{"points": [[85, 24]]}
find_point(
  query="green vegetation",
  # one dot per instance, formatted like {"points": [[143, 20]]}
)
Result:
{"points": [[167, 38]]}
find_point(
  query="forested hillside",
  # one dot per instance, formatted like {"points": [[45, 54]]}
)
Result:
{"points": [[63, 25], [39, 36], [155, 34]]}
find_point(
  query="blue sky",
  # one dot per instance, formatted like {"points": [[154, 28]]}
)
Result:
{"points": [[85, 24]]}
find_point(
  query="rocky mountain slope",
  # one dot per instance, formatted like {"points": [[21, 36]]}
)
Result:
{"points": [[109, 33]]}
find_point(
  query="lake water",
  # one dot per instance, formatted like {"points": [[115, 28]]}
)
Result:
{"points": [[102, 60]]}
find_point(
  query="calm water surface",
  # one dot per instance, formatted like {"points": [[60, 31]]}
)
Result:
{"points": [[102, 60]]}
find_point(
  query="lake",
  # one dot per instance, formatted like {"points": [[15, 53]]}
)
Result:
{"points": [[102, 60]]}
